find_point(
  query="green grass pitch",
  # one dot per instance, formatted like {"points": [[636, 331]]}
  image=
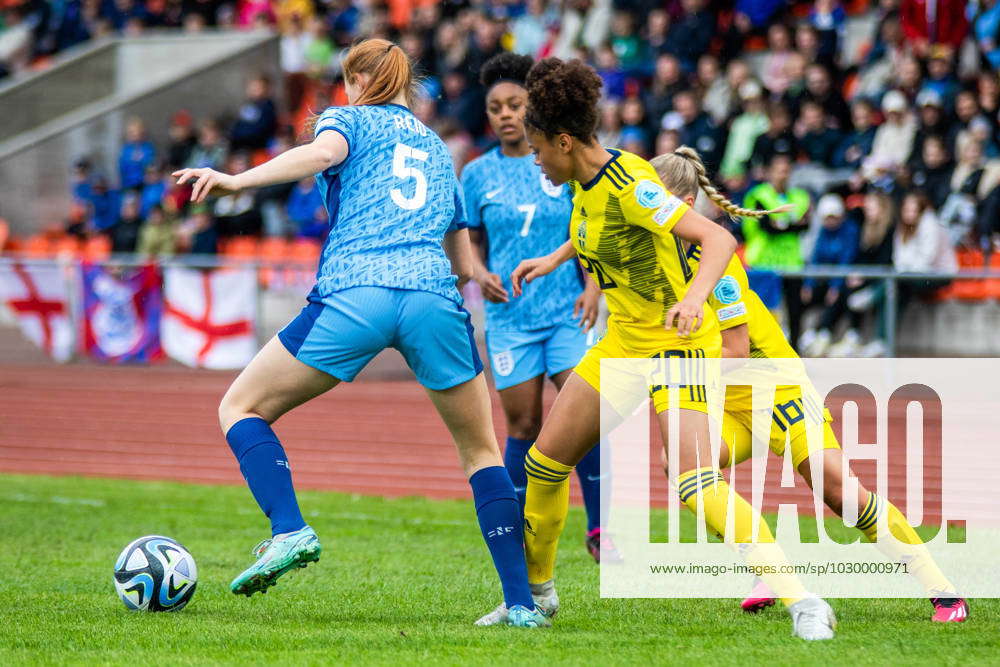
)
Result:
{"points": [[400, 581]]}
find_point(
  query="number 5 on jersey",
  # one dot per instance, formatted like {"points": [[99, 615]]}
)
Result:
{"points": [[405, 172]]}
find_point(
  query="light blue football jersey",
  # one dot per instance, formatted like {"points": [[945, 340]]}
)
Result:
{"points": [[390, 203], [524, 216]]}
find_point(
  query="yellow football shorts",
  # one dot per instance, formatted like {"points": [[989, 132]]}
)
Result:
{"points": [[625, 391], [789, 419]]}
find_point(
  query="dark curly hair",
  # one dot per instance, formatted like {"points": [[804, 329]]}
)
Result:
{"points": [[505, 67], [563, 97]]}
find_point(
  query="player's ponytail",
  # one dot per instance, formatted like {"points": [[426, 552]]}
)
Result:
{"points": [[388, 68], [683, 173]]}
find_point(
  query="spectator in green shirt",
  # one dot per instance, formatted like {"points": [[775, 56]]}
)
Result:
{"points": [[773, 241], [743, 134], [158, 235]]}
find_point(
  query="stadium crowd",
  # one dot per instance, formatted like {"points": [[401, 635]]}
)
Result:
{"points": [[886, 142]]}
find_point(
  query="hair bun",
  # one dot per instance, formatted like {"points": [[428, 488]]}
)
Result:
{"points": [[506, 67], [563, 96]]}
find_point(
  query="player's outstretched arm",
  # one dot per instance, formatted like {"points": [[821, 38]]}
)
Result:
{"points": [[529, 269], [717, 248], [325, 151]]}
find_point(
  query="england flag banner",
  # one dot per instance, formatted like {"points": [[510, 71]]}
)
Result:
{"points": [[121, 314], [209, 317], [37, 296]]}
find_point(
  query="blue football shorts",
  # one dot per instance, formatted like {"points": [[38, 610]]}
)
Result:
{"points": [[341, 333], [519, 356]]}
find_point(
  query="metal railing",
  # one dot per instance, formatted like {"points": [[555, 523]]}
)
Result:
{"points": [[888, 276]]}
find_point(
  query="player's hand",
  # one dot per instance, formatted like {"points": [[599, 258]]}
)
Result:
{"points": [[492, 287], [685, 316], [529, 269], [585, 308], [206, 182], [854, 281]]}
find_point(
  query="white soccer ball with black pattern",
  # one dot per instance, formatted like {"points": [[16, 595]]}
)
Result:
{"points": [[155, 573]]}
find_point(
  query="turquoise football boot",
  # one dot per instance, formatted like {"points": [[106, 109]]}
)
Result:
{"points": [[520, 616], [275, 557]]}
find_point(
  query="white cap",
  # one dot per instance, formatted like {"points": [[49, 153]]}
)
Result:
{"points": [[830, 205], [750, 89], [928, 97], [893, 101], [672, 120]]}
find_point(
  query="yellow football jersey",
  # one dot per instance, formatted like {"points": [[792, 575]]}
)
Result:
{"points": [[620, 229], [796, 404], [735, 303]]}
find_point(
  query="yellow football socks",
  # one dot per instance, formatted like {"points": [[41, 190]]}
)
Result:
{"points": [[908, 549], [545, 507], [710, 487]]}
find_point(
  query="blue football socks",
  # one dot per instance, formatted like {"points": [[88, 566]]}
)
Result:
{"points": [[503, 530], [265, 468]]}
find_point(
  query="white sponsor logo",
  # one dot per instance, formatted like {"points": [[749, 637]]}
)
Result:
{"points": [[500, 530], [729, 312], [493, 193], [667, 210], [503, 363]]}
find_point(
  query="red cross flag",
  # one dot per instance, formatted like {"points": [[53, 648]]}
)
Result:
{"points": [[36, 294], [208, 316]]}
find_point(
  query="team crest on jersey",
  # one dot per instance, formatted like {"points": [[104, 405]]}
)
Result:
{"points": [[650, 194], [581, 235], [549, 188], [503, 363], [727, 290]]}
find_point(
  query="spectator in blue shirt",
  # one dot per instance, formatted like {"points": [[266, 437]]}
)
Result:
{"points": [[857, 145], [257, 119], [104, 205], [154, 189], [985, 19], [305, 209], [837, 245], [137, 154]]}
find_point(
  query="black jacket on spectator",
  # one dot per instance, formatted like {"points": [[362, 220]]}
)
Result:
{"points": [[658, 102], [690, 37], [854, 148], [466, 110], [820, 146], [708, 138], [178, 152], [923, 131], [835, 107], [205, 242], [880, 254], [935, 182], [766, 147], [255, 126], [125, 235]]}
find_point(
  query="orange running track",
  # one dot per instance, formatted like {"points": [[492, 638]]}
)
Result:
{"points": [[371, 437]]}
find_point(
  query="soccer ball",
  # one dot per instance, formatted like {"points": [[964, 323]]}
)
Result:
{"points": [[155, 573]]}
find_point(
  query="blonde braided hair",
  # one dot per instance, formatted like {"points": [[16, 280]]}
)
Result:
{"points": [[683, 173]]}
